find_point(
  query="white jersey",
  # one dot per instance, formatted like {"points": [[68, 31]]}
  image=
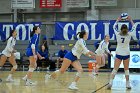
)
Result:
{"points": [[9, 47], [103, 46], [123, 47], [80, 48]]}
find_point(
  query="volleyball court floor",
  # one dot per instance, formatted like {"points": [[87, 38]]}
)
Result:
{"points": [[87, 83]]}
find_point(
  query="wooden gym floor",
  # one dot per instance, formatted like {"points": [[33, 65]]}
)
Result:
{"points": [[87, 84]]}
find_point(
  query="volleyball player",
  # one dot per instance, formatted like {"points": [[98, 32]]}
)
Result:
{"points": [[32, 52], [122, 51], [100, 53], [73, 59], [8, 53]]}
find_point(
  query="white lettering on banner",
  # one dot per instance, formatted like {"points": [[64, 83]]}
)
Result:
{"points": [[7, 29], [65, 30], [30, 28], [25, 28], [21, 26], [106, 28], [93, 25], [134, 34]]}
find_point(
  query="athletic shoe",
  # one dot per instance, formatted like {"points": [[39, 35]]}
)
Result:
{"points": [[109, 86], [73, 87], [29, 83], [128, 86], [47, 77], [10, 79], [24, 78], [95, 73]]}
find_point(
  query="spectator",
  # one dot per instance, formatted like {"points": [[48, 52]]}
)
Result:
{"points": [[61, 55], [44, 60], [51, 62], [45, 43]]}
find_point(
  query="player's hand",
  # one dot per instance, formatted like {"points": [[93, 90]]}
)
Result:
{"points": [[119, 18], [129, 18], [42, 57]]}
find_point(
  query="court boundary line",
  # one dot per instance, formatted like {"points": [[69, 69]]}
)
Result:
{"points": [[100, 88]]}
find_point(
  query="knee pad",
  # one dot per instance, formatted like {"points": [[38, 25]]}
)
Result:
{"points": [[78, 74], [31, 69], [15, 67], [126, 72], [114, 71]]}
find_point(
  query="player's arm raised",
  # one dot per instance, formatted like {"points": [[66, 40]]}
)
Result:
{"points": [[115, 25]]}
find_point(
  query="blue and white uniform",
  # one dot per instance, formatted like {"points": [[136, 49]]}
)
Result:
{"points": [[123, 48], [33, 44], [78, 49], [9, 47], [103, 46]]}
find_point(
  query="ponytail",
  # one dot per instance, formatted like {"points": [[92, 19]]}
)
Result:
{"points": [[81, 34], [34, 29], [11, 33], [78, 34]]}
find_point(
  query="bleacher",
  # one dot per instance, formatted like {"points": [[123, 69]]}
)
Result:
{"points": [[68, 45], [54, 47]]}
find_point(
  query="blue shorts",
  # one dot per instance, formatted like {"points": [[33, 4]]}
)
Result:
{"points": [[29, 52], [70, 56], [122, 57]]}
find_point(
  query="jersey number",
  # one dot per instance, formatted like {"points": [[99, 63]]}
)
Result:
{"points": [[123, 40]]}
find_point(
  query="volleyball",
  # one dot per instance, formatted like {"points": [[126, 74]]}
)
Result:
{"points": [[124, 16]]}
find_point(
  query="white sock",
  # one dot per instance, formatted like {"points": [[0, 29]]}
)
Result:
{"points": [[10, 75], [73, 83], [25, 76]]}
